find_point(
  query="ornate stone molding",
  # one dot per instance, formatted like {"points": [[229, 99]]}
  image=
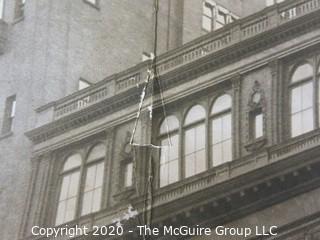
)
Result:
{"points": [[206, 64], [256, 103]]}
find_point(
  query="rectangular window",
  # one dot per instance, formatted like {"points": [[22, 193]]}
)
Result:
{"points": [[67, 200], [1, 9], [258, 125], [194, 150], [215, 17], [9, 114], [221, 139], [169, 161], [302, 109], [207, 17], [93, 189], [128, 174]]}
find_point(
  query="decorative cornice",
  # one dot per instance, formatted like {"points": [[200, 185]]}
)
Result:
{"points": [[185, 73]]}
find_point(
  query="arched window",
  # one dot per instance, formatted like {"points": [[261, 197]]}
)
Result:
{"points": [[69, 189], [169, 157], [302, 112], [92, 192], [194, 141], [221, 126]]}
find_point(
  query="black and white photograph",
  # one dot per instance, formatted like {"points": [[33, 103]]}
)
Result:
{"points": [[160, 119]]}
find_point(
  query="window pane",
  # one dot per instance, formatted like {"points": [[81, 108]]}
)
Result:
{"points": [[190, 141], [170, 123], [226, 127], [302, 72], [86, 203], [169, 171], [173, 171], [221, 139], [68, 196], [72, 162], [296, 99], [216, 130], [217, 154], [98, 152], [200, 137], [227, 151], [13, 108], [222, 17], [64, 188], [164, 154], [195, 114], [307, 120], [164, 175], [99, 175], [221, 104], [128, 175], [173, 149], [296, 124], [189, 165], [258, 125], [74, 184], [302, 109], [307, 93], [70, 209], [194, 152], [96, 200], [60, 213], [90, 178], [200, 161]]}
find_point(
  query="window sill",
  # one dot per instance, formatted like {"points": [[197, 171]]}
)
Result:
{"points": [[6, 135]]}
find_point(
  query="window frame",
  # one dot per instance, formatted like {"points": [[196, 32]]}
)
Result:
{"points": [[61, 175], [84, 152], [181, 113], [166, 135], [215, 8], [123, 164], [187, 126], [8, 117], [253, 124], [86, 166], [292, 85], [213, 116]]}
